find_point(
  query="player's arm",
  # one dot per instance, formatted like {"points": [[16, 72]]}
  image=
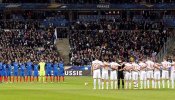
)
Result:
{"points": [[156, 66]]}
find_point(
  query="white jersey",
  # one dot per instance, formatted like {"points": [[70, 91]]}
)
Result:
{"points": [[142, 66], [105, 67], [166, 65], [150, 65], [114, 65], [128, 67], [136, 67], [156, 67], [96, 64], [113, 74]]}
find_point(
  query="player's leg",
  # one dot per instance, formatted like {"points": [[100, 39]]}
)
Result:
{"points": [[111, 79], [115, 81], [145, 79], [6, 77], [51, 78], [130, 80], [156, 79], [168, 79], [40, 74], [30, 76], [148, 79], [47, 74], [16, 76], [126, 80], [159, 79], [141, 79], [152, 78], [163, 79], [103, 77], [107, 80], [20, 77], [94, 78], [172, 80], [99, 79], [134, 79], [26, 78]]}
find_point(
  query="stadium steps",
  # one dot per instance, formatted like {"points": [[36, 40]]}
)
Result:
{"points": [[63, 47]]}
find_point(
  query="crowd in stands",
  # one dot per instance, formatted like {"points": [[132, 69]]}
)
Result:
{"points": [[29, 44], [26, 39], [109, 39]]}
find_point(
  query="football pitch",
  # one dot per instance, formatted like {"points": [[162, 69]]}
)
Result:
{"points": [[74, 89]]}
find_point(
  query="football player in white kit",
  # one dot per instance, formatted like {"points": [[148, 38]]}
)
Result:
{"points": [[173, 74], [157, 68], [105, 74], [142, 74], [113, 74], [165, 72], [135, 74], [96, 65], [127, 69], [150, 68]]}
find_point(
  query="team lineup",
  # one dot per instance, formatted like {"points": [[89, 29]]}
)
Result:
{"points": [[43, 71], [144, 74]]}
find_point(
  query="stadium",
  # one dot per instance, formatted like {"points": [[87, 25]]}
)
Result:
{"points": [[87, 49]]}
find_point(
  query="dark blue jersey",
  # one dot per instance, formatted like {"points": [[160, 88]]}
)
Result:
{"points": [[4, 67], [29, 66], [23, 67], [48, 66], [15, 64], [61, 65], [29, 63], [9, 67], [55, 67], [36, 67]]}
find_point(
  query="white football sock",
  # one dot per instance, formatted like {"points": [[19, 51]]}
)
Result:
{"points": [[172, 84], [152, 83], [168, 83], [99, 84], [107, 84], [145, 84], [163, 83], [141, 84], [126, 85], [129, 85], [102, 85], [94, 83], [159, 84], [112, 84], [155, 84], [148, 83], [115, 84]]}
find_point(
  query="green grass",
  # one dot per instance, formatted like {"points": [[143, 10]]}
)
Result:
{"points": [[74, 89]]}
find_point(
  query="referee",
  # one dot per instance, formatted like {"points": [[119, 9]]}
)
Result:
{"points": [[120, 74]]}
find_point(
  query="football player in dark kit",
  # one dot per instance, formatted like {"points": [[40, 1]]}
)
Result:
{"points": [[120, 74]]}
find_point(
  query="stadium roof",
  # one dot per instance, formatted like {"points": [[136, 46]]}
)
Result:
{"points": [[41, 6]]}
